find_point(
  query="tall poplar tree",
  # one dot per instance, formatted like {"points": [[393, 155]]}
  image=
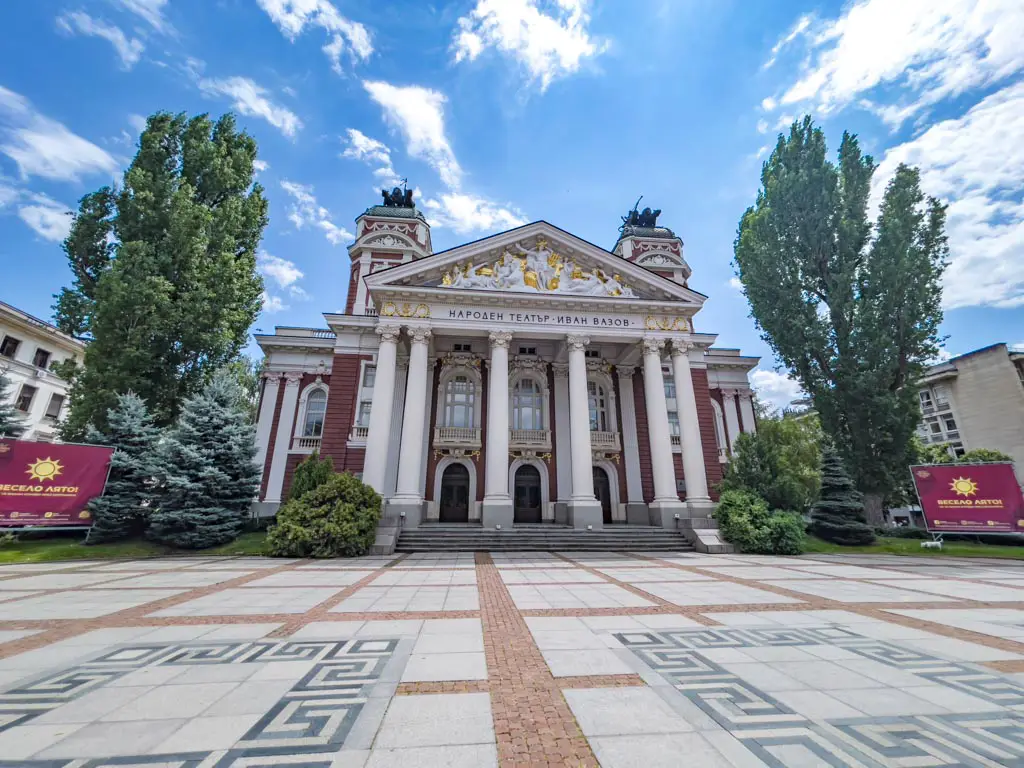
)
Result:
{"points": [[851, 308], [165, 285]]}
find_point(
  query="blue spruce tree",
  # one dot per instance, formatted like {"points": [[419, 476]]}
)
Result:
{"points": [[121, 512], [209, 474], [11, 424]]}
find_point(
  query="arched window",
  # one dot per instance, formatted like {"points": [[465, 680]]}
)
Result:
{"points": [[598, 401], [719, 425], [316, 408], [459, 401], [527, 405]]}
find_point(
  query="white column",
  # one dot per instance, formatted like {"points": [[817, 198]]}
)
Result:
{"points": [[410, 457], [271, 387], [630, 441], [379, 432], [394, 444], [496, 460], [747, 411], [562, 451], [732, 423], [283, 440], [579, 422], [662, 463], [689, 426]]}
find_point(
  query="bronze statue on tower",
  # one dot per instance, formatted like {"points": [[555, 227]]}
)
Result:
{"points": [[397, 197]]}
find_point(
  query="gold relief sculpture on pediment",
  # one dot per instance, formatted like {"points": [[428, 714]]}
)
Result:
{"points": [[665, 323], [536, 270], [391, 309]]}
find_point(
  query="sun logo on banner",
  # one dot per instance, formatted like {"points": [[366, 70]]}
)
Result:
{"points": [[964, 486], [44, 469]]}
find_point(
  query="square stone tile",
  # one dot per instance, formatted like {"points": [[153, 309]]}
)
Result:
{"points": [[251, 697], [437, 720], [190, 579], [623, 711], [657, 751], [574, 596], [571, 640], [310, 577], [208, 733], [466, 756], [453, 627], [854, 591], [884, 702], [373, 599], [454, 643], [990, 593], [437, 667], [171, 702], [83, 603], [594, 662], [713, 593], [23, 741], [645, 575], [815, 704], [112, 739], [56, 581], [248, 601]]}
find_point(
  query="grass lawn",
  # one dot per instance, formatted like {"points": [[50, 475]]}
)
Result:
{"points": [[885, 546], [64, 548]]}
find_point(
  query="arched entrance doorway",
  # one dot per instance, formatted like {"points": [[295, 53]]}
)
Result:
{"points": [[527, 496], [603, 491], [454, 503]]}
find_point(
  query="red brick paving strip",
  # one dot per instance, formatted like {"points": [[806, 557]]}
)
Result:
{"points": [[449, 686], [631, 680], [532, 721]]}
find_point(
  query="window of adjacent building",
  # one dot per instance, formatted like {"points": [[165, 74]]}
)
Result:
{"points": [[9, 346], [41, 359], [459, 400], [369, 375], [364, 413], [53, 409], [316, 409], [462, 347], [25, 398], [670, 389], [598, 401], [934, 427], [926, 398], [527, 405], [950, 424], [673, 423], [958, 451]]}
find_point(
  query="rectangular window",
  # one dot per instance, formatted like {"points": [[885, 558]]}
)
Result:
{"points": [[592, 353], [926, 398], [41, 359], [369, 375], [53, 409], [673, 423], [364, 413], [950, 424], [25, 398], [462, 347], [9, 346], [670, 389], [934, 427], [527, 350]]}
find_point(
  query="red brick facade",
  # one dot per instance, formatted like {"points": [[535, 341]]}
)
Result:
{"points": [[341, 407], [706, 418]]}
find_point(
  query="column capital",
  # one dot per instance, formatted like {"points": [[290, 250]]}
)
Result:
{"points": [[418, 334], [500, 338], [653, 346], [561, 370], [682, 347], [625, 371], [274, 376], [292, 378], [576, 341], [389, 333], [729, 392]]}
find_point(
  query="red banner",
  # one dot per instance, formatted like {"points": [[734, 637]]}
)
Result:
{"points": [[49, 483], [970, 498]]}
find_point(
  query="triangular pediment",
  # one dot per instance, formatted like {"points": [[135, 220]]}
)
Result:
{"points": [[536, 260]]}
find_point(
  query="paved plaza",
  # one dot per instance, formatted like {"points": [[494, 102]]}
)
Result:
{"points": [[579, 659]]}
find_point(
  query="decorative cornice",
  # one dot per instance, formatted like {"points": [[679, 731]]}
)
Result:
{"points": [[292, 378], [500, 339], [418, 334], [577, 342], [529, 363], [389, 333]]}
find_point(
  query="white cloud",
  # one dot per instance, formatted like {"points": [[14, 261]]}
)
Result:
{"points": [[776, 388], [762, 126], [305, 211], [373, 152], [273, 303], [465, 213], [78, 22], [137, 122], [735, 284], [50, 219], [281, 271], [250, 99], [1018, 347], [800, 28], [150, 11], [976, 164], [930, 50], [418, 113], [549, 39], [44, 147], [292, 16], [260, 165]]}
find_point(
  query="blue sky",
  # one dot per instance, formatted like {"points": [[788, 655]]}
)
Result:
{"points": [[506, 111]]}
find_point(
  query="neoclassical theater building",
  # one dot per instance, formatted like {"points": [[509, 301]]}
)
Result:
{"points": [[528, 377]]}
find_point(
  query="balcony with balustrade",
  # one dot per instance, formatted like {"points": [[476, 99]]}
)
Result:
{"points": [[605, 441], [529, 439], [457, 437], [305, 444], [358, 434]]}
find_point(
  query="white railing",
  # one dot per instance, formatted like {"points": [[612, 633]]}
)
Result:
{"points": [[676, 440], [358, 434], [605, 441], [954, 435], [723, 455], [529, 438], [306, 444], [463, 436]]}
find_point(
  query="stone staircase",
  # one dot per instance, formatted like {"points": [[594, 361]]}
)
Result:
{"points": [[441, 537]]}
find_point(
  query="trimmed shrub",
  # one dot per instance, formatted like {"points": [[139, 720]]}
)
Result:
{"points": [[902, 533], [337, 519], [310, 475], [838, 515], [746, 522]]}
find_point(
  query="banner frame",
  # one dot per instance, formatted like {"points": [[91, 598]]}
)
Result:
{"points": [[938, 536]]}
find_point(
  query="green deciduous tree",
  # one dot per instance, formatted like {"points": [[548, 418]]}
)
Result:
{"points": [[165, 283], [780, 462], [310, 474], [246, 373], [11, 423], [208, 473], [855, 319], [838, 515], [122, 511]]}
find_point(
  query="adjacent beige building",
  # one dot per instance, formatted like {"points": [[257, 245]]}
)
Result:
{"points": [[976, 400], [28, 349]]}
